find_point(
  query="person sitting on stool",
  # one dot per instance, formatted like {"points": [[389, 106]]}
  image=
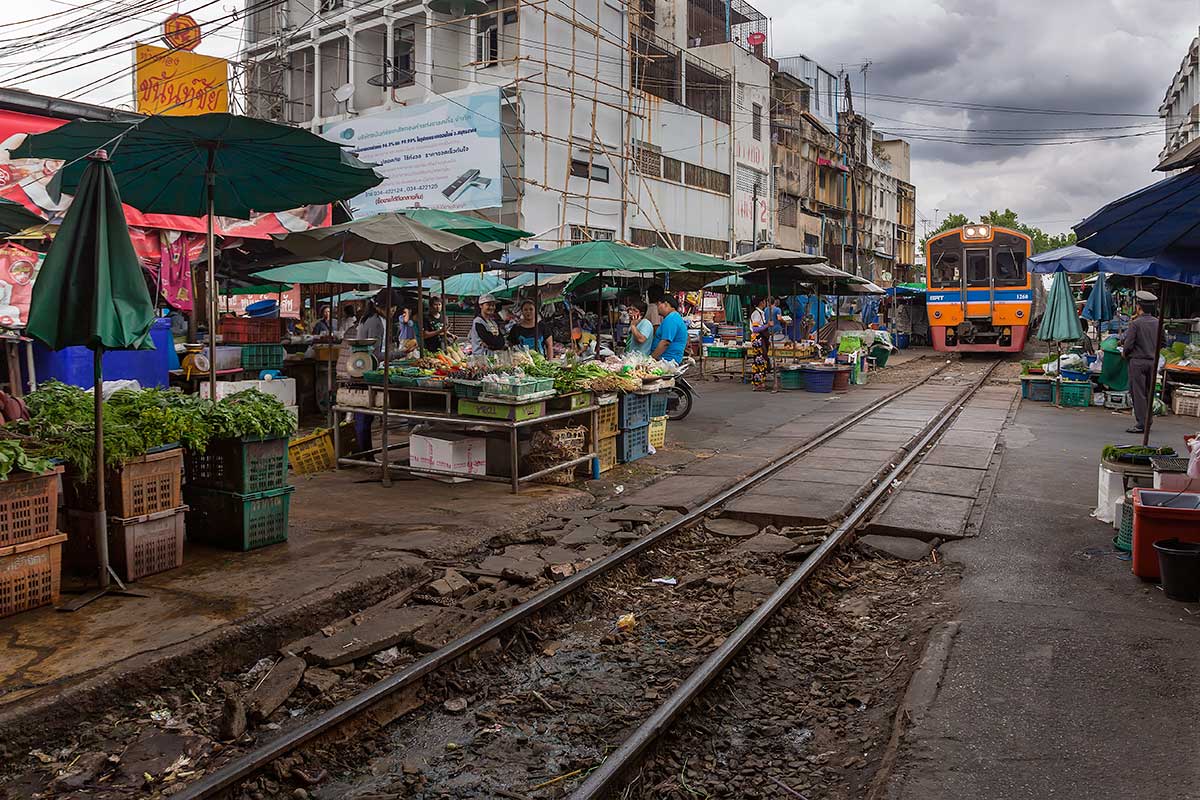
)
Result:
{"points": [[1139, 350]]}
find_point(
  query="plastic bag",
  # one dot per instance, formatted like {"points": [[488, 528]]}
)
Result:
{"points": [[1194, 461]]}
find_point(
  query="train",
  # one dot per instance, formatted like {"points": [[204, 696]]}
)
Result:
{"points": [[980, 295]]}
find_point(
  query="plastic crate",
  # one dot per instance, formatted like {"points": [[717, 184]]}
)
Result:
{"points": [[658, 405], [1038, 389], [466, 389], [658, 432], [516, 412], [717, 351], [1186, 403], [136, 547], [633, 443], [239, 465], [633, 411], [239, 521], [606, 421], [28, 507], [1123, 541], [145, 485], [247, 330], [1075, 394], [570, 402], [526, 388], [357, 398], [262, 356], [1117, 401], [606, 454], [30, 574], [1159, 515], [312, 453]]}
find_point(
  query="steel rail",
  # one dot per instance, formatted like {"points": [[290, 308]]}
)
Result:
{"points": [[246, 765], [601, 782]]}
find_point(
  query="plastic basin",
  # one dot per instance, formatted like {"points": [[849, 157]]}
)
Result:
{"points": [[1160, 516], [1179, 565]]}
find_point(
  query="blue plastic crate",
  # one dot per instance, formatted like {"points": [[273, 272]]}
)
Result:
{"points": [[634, 411], [633, 444], [658, 404]]}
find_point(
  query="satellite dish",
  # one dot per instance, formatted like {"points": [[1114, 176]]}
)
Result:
{"points": [[343, 92]]}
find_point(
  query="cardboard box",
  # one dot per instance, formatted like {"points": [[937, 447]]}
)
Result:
{"points": [[448, 452]]}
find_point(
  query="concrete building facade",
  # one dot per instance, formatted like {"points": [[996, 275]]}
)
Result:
{"points": [[1180, 110]]}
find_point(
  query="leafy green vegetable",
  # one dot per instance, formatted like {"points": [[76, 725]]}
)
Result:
{"points": [[250, 413], [13, 457]]}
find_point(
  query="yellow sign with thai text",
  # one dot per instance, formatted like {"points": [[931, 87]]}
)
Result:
{"points": [[177, 83]]}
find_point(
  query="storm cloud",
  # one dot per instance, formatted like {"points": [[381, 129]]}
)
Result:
{"points": [[1108, 58]]}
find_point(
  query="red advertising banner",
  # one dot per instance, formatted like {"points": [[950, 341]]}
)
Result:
{"points": [[18, 270]]}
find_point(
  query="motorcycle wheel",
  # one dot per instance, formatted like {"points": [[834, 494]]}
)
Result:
{"points": [[679, 403]]}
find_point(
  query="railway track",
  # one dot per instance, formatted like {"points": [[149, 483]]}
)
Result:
{"points": [[676, 547]]}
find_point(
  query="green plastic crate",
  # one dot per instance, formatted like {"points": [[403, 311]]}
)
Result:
{"points": [[526, 388], [717, 351], [243, 466], [238, 521], [791, 379], [570, 402], [515, 412], [262, 356], [1075, 394]]}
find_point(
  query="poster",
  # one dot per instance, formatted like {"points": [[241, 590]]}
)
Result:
{"points": [[443, 154], [18, 270], [177, 83]]}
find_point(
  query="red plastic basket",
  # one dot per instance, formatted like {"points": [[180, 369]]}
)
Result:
{"points": [[248, 330], [28, 507]]}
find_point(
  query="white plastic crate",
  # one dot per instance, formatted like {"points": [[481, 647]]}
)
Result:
{"points": [[283, 389], [1185, 403]]}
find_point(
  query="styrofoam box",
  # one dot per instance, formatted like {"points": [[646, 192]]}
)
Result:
{"points": [[284, 389], [448, 452]]}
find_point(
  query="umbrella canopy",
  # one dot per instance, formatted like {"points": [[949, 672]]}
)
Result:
{"points": [[466, 225], [775, 257], [733, 310], [1060, 322], [256, 288], [696, 262], [15, 217], [473, 284], [599, 257], [1076, 259], [816, 274], [325, 270], [1149, 222], [390, 237], [90, 290], [1100, 306], [164, 164], [855, 287], [736, 284]]}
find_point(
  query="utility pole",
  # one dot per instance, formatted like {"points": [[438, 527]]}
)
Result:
{"points": [[852, 135]]}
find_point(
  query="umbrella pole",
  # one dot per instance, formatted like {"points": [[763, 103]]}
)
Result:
{"points": [[1150, 395], [387, 375], [445, 318], [770, 336], [537, 302], [101, 524], [212, 287], [329, 361], [420, 311]]}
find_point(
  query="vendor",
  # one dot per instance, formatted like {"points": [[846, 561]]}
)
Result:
{"points": [[529, 332], [325, 325], [435, 326], [641, 331], [1140, 350], [406, 330], [485, 336], [348, 322], [672, 335], [372, 327], [760, 327]]}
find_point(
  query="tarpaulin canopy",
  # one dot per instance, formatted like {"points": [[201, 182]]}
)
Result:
{"points": [[1076, 259], [1060, 322], [466, 225], [737, 285], [325, 270], [1149, 222]]}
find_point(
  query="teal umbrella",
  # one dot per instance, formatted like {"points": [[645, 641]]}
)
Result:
{"points": [[205, 165], [15, 217], [696, 262], [1100, 306], [324, 270], [257, 288], [466, 225], [734, 314], [736, 284], [1060, 321], [90, 292], [473, 284]]}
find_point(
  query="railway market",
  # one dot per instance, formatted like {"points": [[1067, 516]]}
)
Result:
{"points": [[528, 400]]}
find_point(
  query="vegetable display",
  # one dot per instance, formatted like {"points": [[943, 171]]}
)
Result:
{"points": [[13, 457]]}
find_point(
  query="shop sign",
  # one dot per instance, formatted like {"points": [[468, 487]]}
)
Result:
{"points": [[181, 32], [178, 83]]}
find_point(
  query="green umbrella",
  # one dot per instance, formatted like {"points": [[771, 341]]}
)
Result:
{"points": [[473, 284], [205, 165], [736, 284], [1060, 321], [466, 225], [90, 292], [696, 262], [599, 257], [15, 217], [324, 270], [259, 288]]}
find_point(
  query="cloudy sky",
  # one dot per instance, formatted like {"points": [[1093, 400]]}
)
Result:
{"points": [[1110, 57], [1107, 56]]}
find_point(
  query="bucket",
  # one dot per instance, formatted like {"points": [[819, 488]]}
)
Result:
{"points": [[841, 379], [1179, 564], [263, 308]]}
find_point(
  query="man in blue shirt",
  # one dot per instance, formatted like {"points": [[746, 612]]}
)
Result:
{"points": [[672, 334]]}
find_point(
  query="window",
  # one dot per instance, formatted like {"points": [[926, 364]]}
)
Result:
{"points": [[701, 244], [756, 122], [821, 177], [301, 86], [672, 170], [644, 237], [487, 43], [1010, 267], [707, 93], [788, 206], [404, 39], [979, 268], [335, 72], [648, 159], [704, 178], [580, 168], [581, 234], [946, 270], [655, 70]]}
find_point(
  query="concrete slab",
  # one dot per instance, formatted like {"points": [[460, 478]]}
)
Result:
{"points": [[800, 430], [959, 482], [722, 465], [784, 503], [922, 515], [982, 439], [678, 491], [889, 436], [946, 455], [839, 477], [831, 454], [896, 547]]}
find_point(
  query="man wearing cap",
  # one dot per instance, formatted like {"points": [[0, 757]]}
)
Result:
{"points": [[1140, 349]]}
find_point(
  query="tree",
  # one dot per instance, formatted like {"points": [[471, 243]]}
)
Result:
{"points": [[1041, 241]]}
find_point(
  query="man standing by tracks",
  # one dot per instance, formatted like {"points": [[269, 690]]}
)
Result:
{"points": [[1139, 350]]}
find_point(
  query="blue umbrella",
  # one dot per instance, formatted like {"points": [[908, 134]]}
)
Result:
{"points": [[1161, 217], [1076, 259], [1099, 306]]}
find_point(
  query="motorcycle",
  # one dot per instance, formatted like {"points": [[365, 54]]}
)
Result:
{"points": [[680, 396]]}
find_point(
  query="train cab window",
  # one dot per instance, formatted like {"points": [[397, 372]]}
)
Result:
{"points": [[1010, 268], [978, 268], [946, 272]]}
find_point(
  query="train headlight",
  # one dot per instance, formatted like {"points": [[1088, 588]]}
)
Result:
{"points": [[937, 315], [977, 232]]}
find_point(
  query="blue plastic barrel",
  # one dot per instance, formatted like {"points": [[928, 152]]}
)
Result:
{"points": [[73, 365], [263, 309], [818, 380], [902, 341]]}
